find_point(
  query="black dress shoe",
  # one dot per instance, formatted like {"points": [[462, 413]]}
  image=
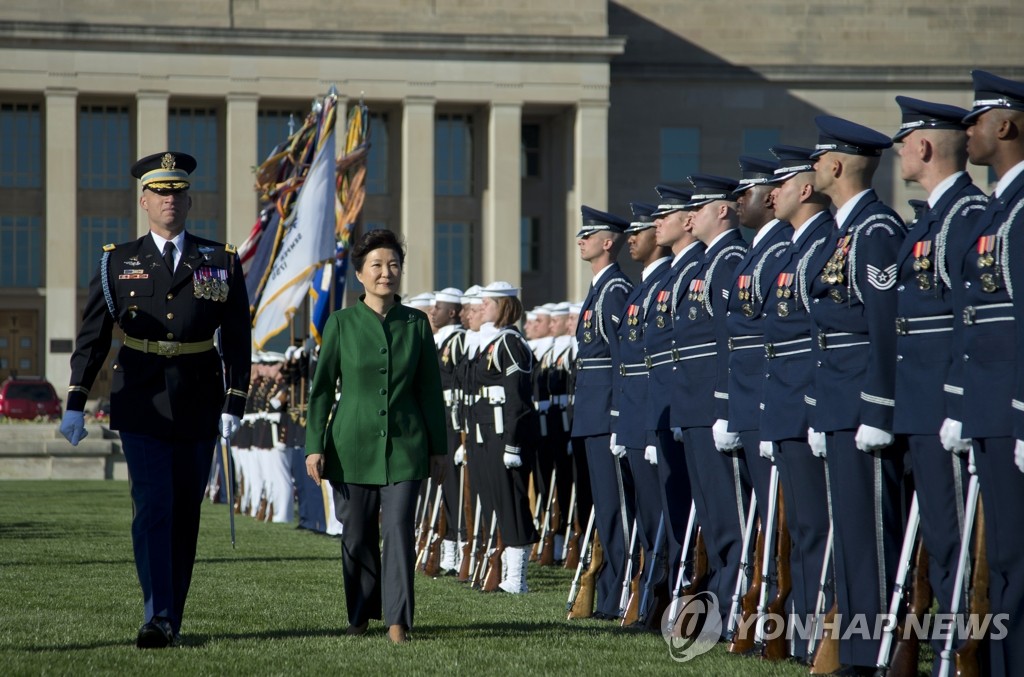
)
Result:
{"points": [[602, 616], [157, 634]]}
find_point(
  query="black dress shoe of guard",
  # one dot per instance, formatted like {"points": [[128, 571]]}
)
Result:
{"points": [[157, 634], [602, 616]]}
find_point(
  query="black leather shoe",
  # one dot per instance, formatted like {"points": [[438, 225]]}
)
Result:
{"points": [[157, 634], [602, 616]]}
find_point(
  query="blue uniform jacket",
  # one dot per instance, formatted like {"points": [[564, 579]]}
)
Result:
{"points": [[924, 307], [597, 353], [985, 308], [790, 350], [854, 313], [700, 391], [631, 377], [744, 320], [659, 339]]}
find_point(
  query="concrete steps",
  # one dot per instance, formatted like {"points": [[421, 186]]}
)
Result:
{"points": [[38, 451]]}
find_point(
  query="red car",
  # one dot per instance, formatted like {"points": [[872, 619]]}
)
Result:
{"points": [[28, 398]]}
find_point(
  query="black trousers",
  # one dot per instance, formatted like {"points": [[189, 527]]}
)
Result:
{"points": [[376, 581], [676, 497], [508, 490]]}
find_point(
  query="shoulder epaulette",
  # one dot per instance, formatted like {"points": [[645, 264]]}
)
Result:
{"points": [[230, 248], [109, 247]]}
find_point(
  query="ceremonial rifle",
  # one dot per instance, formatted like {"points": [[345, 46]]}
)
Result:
{"points": [[769, 548], [967, 664], [430, 533], [677, 590], [471, 525], [432, 566], [741, 574], [574, 588], [494, 565], [547, 540], [776, 647], [225, 455], [899, 591], [483, 559], [471, 571], [651, 604], [571, 545], [819, 604], [826, 655], [627, 577]]}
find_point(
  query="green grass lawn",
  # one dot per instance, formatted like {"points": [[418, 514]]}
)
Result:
{"points": [[70, 604]]}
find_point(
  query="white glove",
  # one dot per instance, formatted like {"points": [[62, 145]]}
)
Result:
{"points": [[725, 440], [289, 352], [817, 442], [613, 442], [870, 438], [651, 454], [72, 427], [618, 451], [460, 455], [950, 435], [767, 450], [512, 460], [1018, 455], [275, 402], [677, 434], [228, 425]]}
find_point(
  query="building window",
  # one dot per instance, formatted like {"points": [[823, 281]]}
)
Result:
{"points": [[21, 251], [529, 164], [93, 233], [757, 142], [529, 243], [452, 247], [21, 146], [377, 160], [194, 131], [680, 153], [273, 127], [453, 155], [104, 148]]}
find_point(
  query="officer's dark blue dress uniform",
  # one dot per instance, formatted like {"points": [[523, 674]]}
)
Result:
{"points": [[700, 397], [631, 381], [745, 323], [170, 384], [851, 281], [594, 408], [659, 343], [991, 355], [924, 344]]}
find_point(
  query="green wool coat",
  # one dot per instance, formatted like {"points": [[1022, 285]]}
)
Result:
{"points": [[390, 416]]}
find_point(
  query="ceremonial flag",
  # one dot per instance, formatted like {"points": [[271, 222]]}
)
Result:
{"points": [[307, 241]]}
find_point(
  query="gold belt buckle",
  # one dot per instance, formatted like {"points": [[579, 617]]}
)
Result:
{"points": [[168, 348]]}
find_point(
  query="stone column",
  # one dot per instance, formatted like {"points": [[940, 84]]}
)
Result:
{"points": [[150, 137], [502, 202], [590, 170], [417, 206], [62, 316], [240, 148]]}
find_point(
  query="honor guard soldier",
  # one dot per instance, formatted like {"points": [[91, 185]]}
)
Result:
{"points": [[788, 383], [991, 350], [851, 280], [631, 381], [933, 153], [600, 240], [173, 392], [700, 390], [671, 221], [450, 338], [744, 318]]}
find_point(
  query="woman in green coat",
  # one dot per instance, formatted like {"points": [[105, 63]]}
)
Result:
{"points": [[385, 435]]}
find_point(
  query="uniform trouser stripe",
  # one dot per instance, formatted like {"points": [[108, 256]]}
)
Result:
{"points": [[608, 521]]}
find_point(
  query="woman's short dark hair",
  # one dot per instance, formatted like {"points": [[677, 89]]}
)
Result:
{"points": [[380, 238]]}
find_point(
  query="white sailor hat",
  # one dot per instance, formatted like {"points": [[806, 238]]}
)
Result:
{"points": [[448, 295], [496, 289]]}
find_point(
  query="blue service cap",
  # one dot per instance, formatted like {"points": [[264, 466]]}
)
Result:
{"points": [[595, 220], [918, 114], [992, 91], [707, 188], [673, 199], [755, 171], [793, 160], [165, 171], [642, 216], [842, 136]]}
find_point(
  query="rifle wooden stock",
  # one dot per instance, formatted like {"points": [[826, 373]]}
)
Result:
{"points": [[547, 551], [631, 614], [743, 638], [572, 557], [700, 565], [432, 567], [583, 606], [906, 653], [967, 655], [480, 555], [424, 521], [826, 657], [493, 577], [777, 648], [470, 525]]}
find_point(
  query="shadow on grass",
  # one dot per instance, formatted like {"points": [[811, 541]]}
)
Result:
{"points": [[32, 530], [419, 634]]}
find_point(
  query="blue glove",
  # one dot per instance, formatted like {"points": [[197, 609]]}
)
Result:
{"points": [[72, 427]]}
